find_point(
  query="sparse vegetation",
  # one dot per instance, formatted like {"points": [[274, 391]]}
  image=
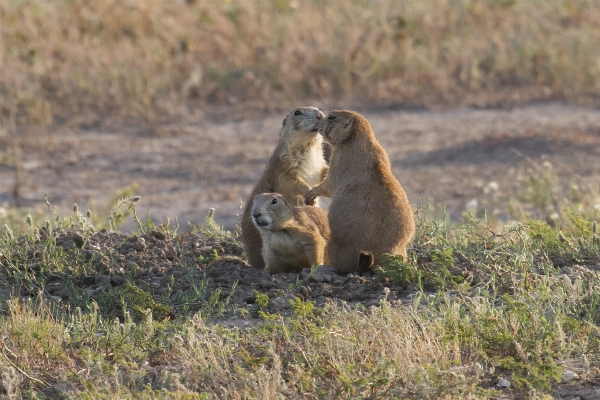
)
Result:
{"points": [[79, 62], [510, 291], [521, 303]]}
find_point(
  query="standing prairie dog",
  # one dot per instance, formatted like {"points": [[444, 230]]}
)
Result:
{"points": [[293, 238], [369, 214], [297, 165]]}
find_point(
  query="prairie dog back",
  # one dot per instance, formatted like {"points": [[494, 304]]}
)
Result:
{"points": [[369, 213]]}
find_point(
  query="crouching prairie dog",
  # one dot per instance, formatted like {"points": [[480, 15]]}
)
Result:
{"points": [[293, 238], [297, 165], [369, 214]]}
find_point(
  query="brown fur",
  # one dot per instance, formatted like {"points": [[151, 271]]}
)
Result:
{"points": [[293, 238], [297, 164], [369, 213]]}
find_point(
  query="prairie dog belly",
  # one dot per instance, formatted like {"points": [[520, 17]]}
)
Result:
{"points": [[311, 170], [284, 246]]}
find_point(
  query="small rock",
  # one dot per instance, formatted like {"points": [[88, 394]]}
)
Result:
{"points": [[503, 383], [318, 276], [569, 375], [338, 280], [329, 270], [79, 240], [67, 244], [266, 284], [140, 245], [323, 274], [132, 239], [281, 302], [321, 301], [158, 235]]}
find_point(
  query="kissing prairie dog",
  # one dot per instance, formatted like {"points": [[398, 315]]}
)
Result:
{"points": [[369, 214], [297, 165], [293, 238]]}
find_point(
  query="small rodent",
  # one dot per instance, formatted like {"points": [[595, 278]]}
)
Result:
{"points": [[370, 214], [297, 165], [293, 237]]}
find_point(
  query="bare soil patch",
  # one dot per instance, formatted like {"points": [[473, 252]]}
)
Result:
{"points": [[175, 269], [183, 169]]}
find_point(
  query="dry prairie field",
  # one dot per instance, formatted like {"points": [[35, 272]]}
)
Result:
{"points": [[84, 63], [123, 124]]}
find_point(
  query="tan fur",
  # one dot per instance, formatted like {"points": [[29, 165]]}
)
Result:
{"points": [[293, 238], [369, 214], [297, 164]]}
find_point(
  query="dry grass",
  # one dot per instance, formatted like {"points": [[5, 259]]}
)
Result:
{"points": [[528, 310], [344, 353], [84, 62]]}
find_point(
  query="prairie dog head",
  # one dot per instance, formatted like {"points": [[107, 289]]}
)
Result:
{"points": [[270, 211], [342, 126], [301, 125]]}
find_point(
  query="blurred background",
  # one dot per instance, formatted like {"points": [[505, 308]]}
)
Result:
{"points": [[180, 101]]}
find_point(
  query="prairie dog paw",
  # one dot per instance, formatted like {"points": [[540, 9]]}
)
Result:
{"points": [[311, 197]]}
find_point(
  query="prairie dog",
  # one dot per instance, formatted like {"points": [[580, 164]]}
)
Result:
{"points": [[297, 165], [293, 238], [370, 214]]}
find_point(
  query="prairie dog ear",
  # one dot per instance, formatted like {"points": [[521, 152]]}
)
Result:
{"points": [[348, 124], [342, 132], [284, 119]]}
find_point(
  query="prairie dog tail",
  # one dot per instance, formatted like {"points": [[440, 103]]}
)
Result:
{"points": [[365, 262]]}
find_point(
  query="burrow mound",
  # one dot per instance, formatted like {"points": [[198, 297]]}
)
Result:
{"points": [[176, 274]]}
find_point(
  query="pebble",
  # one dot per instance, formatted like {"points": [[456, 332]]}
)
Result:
{"points": [[318, 276], [67, 244], [569, 375], [78, 240], [503, 383]]}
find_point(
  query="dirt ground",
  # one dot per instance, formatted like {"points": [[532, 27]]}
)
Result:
{"points": [[183, 169]]}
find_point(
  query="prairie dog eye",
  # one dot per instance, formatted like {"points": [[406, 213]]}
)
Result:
{"points": [[297, 112], [274, 201], [331, 116]]}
